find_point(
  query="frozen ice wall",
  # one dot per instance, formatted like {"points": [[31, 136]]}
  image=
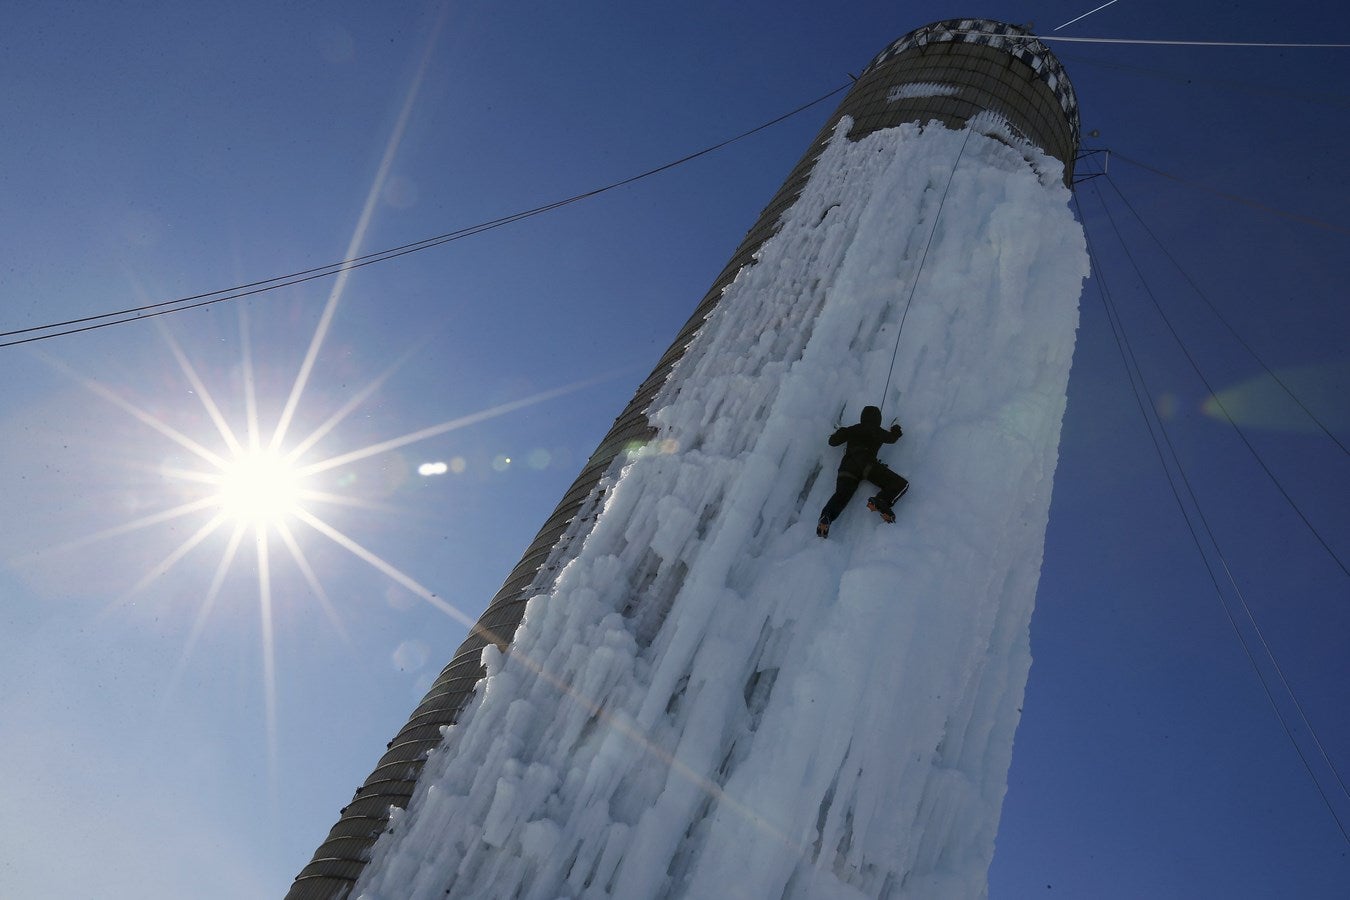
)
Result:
{"points": [[714, 702]]}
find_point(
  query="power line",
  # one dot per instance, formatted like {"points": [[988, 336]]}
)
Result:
{"points": [[195, 301], [1236, 198], [1141, 391], [1084, 15], [1260, 461], [1231, 330], [1118, 327], [1247, 87], [1204, 520], [1152, 41], [1164, 43]]}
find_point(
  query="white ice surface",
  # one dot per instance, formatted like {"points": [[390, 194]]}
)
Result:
{"points": [[712, 701]]}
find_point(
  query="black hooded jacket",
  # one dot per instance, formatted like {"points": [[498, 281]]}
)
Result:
{"points": [[863, 440]]}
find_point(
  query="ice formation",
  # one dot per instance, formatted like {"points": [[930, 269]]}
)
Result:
{"points": [[711, 701]]}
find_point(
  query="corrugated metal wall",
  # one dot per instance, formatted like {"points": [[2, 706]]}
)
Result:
{"points": [[978, 66]]}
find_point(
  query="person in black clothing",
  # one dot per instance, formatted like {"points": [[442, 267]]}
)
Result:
{"points": [[860, 462]]}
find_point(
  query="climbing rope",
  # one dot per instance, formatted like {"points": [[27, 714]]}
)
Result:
{"points": [[922, 259]]}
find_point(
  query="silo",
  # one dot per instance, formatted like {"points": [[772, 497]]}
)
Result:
{"points": [[995, 79]]}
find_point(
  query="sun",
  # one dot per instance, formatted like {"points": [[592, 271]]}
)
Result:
{"points": [[260, 487], [254, 491]]}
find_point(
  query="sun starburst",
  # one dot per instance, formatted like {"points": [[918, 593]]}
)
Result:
{"points": [[259, 499]]}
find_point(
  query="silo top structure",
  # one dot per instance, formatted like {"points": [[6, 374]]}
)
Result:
{"points": [[994, 77], [955, 70]]}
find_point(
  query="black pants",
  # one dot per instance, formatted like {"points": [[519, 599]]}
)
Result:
{"points": [[892, 486]]}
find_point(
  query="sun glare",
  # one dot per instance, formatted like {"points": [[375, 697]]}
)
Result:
{"points": [[259, 487], [246, 482]]}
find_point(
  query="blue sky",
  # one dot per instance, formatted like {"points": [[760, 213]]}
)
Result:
{"points": [[154, 150]]}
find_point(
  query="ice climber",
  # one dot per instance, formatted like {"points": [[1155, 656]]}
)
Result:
{"points": [[860, 462]]}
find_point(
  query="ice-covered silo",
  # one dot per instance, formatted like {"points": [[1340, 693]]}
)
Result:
{"points": [[688, 693]]}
